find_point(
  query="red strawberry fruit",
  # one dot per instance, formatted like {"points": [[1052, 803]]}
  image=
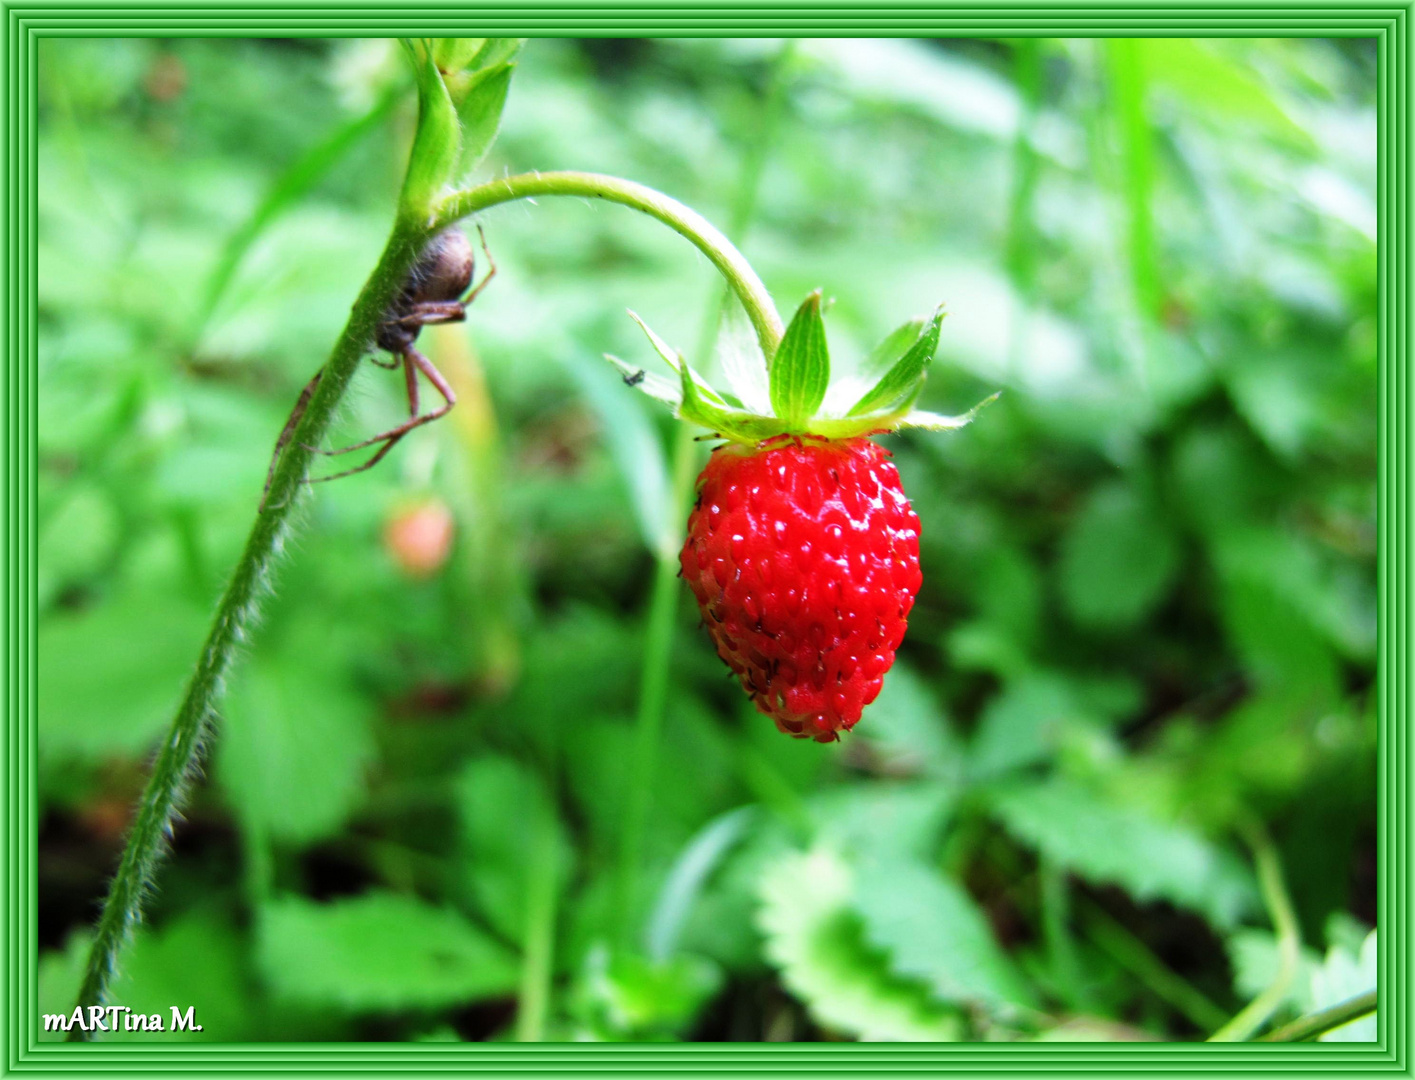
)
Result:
{"points": [[802, 550], [804, 558]]}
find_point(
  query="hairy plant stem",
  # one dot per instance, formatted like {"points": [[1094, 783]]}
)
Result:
{"points": [[181, 750], [177, 759]]}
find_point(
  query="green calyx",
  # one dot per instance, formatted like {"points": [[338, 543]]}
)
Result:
{"points": [[791, 393]]}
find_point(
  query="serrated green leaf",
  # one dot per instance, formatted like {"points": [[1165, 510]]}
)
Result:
{"points": [[800, 370], [932, 930], [900, 383], [817, 941], [507, 820], [379, 951], [1117, 559], [1118, 845]]}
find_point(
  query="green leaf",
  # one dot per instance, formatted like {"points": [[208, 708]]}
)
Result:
{"points": [[157, 973], [1117, 559], [900, 819], [907, 727], [800, 371], [78, 538], [477, 75], [480, 112], [623, 996], [1116, 845], [437, 143], [1198, 72], [1275, 605], [296, 742], [1343, 975], [500, 50], [931, 929], [1023, 725], [902, 381], [507, 817], [379, 951], [690, 871], [818, 942], [110, 677], [59, 978], [1254, 957], [160, 973]]}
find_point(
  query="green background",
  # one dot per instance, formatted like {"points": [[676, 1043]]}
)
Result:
{"points": [[1149, 607]]}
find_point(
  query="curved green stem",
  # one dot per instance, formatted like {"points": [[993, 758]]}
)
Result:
{"points": [[181, 750], [1309, 1027], [1289, 940], [687, 223]]}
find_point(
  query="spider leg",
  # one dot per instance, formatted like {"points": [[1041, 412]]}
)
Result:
{"points": [[431, 312], [391, 365], [412, 359], [489, 274], [289, 430]]}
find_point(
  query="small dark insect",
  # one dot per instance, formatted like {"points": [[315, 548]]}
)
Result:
{"points": [[432, 294], [634, 379]]}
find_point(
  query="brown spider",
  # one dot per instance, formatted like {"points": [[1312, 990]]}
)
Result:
{"points": [[432, 294]]}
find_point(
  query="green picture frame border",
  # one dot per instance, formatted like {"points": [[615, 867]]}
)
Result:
{"points": [[1390, 24]]}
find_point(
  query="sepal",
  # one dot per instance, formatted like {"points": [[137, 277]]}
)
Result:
{"points": [[800, 370], [903, 380]]}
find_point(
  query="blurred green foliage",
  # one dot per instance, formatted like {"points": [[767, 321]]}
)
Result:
{"points": [[1149, 606]]}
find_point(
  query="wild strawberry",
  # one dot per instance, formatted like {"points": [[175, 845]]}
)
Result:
{"points": [[804, 558], [802, 551]]}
